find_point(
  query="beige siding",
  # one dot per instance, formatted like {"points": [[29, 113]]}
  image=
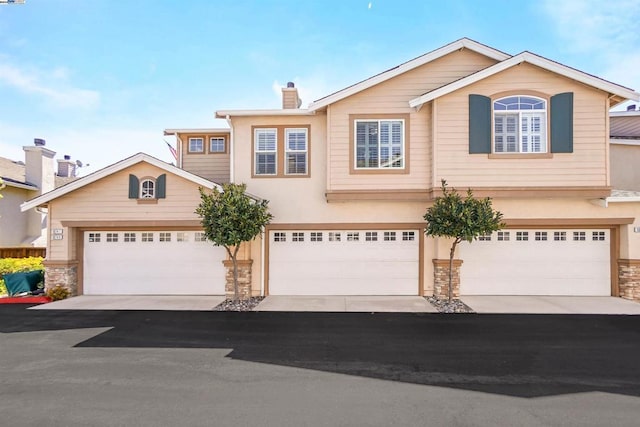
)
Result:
{"points": [[212, 166], [625, 170], [392, 97], [107, 200], [586, 166], [14, 224]]}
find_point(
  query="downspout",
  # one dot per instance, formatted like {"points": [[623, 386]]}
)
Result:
{"points": [[231, 150]]}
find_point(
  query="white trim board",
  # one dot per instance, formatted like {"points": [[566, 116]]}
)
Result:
{"points": [[116, 167], [463, 43], [533, 59]]}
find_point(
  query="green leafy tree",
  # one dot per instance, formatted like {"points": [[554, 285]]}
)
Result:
{"points": [[460, 219], [230, 217]]}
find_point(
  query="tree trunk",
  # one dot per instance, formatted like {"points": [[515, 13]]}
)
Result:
{"points": [[236, 289], [451, 255]]}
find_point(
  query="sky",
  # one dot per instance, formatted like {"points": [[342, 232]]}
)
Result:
{"points": [[100, 80]]}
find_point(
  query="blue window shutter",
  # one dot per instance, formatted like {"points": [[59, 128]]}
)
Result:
{"points": [[562, 123], [479, 124], [134, 187], [161, 186]]}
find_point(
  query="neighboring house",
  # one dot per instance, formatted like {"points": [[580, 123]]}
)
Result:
{"points": [[625, 149], [349, 180], [25, 180]]}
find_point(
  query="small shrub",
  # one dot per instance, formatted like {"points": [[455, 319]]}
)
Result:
{"points": [[17, 265], [58, 293]]}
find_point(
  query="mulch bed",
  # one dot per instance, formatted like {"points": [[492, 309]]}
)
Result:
{"points": [[444, 306], [241, 305]]}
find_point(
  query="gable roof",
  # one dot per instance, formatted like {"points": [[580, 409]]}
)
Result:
{"points": [[531, 58], [109, 170], [463, 43]]}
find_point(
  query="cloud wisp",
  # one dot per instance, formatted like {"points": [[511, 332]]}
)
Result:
{"points": [[51, 85]]}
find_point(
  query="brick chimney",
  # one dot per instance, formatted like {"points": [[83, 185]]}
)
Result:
{"points": [[290, 98], [39, 166], [66, 167]]}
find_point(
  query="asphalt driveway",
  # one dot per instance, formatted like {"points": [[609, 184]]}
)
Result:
{"points": [[155, 368]]}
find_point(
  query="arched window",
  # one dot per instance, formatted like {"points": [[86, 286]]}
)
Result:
{"points": [[148, 188], [520, 124]]}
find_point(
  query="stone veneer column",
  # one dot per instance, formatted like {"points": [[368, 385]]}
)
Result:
{"points": [[629, 279], [441, 278], [244, 278], [61, 273]]}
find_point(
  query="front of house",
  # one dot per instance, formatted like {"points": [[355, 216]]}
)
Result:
{"points": [[350, 177]]}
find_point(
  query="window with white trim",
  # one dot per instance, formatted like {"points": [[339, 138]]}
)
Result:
{"points": [[389, 236], [296, 149], [147, 237], [279, 236], [541, 236], [94, 237], [559, 236], [316, 236], [485, 237], [148, 188], [579, 236], [335, 236], [379, 144], [520, 125], [182, 237], [199, 236], [129, 237], [371, 236], [297, 237], [408, 236], [504, 236], [522, 236], [266, 151], [165, 237], [353, 237], [217, 144], [112, 237], [598, 236], [196, 145]]}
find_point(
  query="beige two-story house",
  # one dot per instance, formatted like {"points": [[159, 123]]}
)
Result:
{"points": [[350, 177]]}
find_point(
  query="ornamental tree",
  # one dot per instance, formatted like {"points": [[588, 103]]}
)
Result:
{"points": [[460, 219], [230, 217]]}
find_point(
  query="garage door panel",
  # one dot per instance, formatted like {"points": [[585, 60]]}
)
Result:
{"points": [[154, 267], [538, 267], [343, 267]]}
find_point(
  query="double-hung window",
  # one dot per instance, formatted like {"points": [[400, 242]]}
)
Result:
{"points": [[379, 144], [216, 144], [520, 125], [196, 145], [295, 151], [266, 151]]}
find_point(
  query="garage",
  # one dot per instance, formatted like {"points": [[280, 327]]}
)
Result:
{"points": [[343, 262], [538, 262], [159, 262]]}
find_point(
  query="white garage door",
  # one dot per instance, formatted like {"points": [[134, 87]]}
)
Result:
{"points": [[152, 263], [537, 262], [343, 262]]}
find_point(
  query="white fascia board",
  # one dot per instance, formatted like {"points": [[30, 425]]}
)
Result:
{"points": [[623, 141], [624, 113], [116, 167], [20, 185], [534, 60], [195, 130], [407, 66], [223, 114]]}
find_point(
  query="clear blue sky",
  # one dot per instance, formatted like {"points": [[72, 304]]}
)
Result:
{"points": [[101, 79]]}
